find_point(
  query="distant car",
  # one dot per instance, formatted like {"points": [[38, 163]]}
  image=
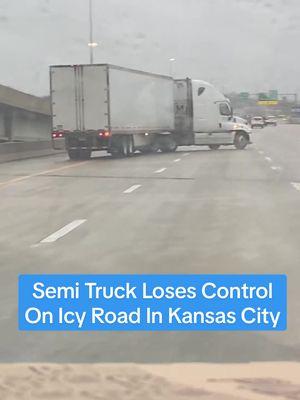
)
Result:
{"points": [[283, 117], [257, 122], [271, 121]]}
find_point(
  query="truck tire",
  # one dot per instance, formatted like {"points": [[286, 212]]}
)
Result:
{"points": [[214, 146], [154, 146], [146, 150], [119, 146], [151, 148], [85, 154], [124, 148], [130, 144], [167, 144], [73, 154], [241, 140]]}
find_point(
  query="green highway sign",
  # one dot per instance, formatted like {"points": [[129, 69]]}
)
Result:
{"points": [[273, 94], [244, 95], [263, 96]]}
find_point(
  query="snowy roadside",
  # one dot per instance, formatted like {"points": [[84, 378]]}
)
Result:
{"points": [[257, 381]]}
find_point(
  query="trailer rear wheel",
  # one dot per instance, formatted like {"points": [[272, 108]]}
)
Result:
{"points": [[214, 146], [241, 140], [120, 147], [73, 154], [146, 150], [130, 145], [85, 154], [154, 146], [124, 146], [151, 148], [167, 144]]}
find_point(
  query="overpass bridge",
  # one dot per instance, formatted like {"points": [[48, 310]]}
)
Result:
{"points": [[25, 125], [23, 117]]}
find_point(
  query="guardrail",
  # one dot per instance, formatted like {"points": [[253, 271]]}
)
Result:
{"points": [[12, 151]]}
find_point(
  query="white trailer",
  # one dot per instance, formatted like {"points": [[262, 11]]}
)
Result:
{"points": [[105, 107]]}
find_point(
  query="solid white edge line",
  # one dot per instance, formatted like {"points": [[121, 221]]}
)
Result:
{"points": [[63, 231], [160, 170], [132, 188]]}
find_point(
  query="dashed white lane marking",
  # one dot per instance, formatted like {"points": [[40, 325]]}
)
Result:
{"points": [[296, 185], [268, 159], [160, 170], [63, 231], [177, 160], [261, 152], [274, 168], [186, 154], [132, 188]]}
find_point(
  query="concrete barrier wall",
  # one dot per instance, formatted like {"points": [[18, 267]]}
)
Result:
{"points": [[23, 116], [24, 101], [16, 124], [21, 150], [25, 125], [30, 126]]}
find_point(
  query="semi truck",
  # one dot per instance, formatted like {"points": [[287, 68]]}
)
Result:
{"points": [[121, 110]]}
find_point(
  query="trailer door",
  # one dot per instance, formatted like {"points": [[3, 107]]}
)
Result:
{"points": [[95, 100], [63, 98], [79, 97]]}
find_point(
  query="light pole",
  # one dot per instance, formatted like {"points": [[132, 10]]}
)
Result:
{"points": [[91, 43], [171, 61]]}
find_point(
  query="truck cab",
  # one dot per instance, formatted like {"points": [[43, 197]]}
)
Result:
{"points": [[205, 116]]}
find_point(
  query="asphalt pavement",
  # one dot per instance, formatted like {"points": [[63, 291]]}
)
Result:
{"points": [[193, 211]]}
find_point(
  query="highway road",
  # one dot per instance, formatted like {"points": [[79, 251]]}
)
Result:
{"points": [[193, 211]]}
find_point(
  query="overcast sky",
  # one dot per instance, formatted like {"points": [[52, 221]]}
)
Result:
{"points": [[242, 45]]}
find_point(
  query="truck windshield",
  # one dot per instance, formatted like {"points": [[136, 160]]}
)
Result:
{"points": [[225, 109]]}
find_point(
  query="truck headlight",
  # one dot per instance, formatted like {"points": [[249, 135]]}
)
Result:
{"points": [[237, 127]]}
